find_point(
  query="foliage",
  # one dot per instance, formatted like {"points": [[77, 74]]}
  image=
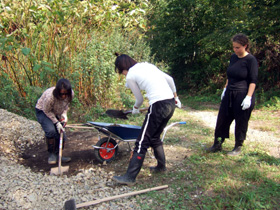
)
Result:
{"points": [[42, 41], [265, 31], [94, 68], [193, 37]]}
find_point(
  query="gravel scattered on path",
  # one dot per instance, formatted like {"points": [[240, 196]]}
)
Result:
{"points": [[20, 188]]}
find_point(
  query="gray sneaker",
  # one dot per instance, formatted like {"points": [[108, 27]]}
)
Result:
{"points": [[236, 151], [52, 159]]}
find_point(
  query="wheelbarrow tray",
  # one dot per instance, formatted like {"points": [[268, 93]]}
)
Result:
{"points": [[106, 148], [122, 131]]}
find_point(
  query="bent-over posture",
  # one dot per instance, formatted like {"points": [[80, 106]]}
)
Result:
{"points": [[161, 91]]}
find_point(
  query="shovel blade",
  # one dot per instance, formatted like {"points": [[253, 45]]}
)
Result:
{"points": [[116, 113], [55, 171]]}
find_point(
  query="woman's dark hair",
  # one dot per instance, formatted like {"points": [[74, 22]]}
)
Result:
{"points": [[63, 84], [123, 62], [241, 39]]}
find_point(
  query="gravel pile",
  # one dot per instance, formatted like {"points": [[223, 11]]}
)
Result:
{"points": [[17, 133], [20, 188]]}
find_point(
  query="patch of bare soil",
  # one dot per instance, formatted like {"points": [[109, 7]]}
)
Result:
{"points": [[79, 148]]}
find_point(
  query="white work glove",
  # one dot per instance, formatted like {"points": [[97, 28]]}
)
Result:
{"points": [[223, 94], [64, 119], [135, 111], [246, 103], [59, 127], [178, 102]]}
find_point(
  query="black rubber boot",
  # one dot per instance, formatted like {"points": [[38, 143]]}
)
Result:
{"points": [[237, 148], [52, 159], [160, 156], [134, 168], [217, 146]]}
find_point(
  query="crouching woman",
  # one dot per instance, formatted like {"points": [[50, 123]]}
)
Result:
{"points": [[51, 112]]}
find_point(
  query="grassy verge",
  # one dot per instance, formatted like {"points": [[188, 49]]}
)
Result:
{"points": [[214, 181]]}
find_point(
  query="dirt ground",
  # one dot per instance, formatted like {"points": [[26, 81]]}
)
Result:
{"points": [[78, 147]]}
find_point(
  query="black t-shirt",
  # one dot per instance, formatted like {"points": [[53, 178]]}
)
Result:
{"points": [[241, 72]]}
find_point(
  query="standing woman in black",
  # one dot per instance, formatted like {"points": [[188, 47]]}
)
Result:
{"points": [[238, 97]]}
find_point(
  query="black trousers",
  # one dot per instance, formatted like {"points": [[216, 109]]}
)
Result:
{"points": [[155, 121], [230, 110]]}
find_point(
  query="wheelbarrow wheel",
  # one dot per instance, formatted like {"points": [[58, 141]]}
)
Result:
{"points": [[103, 154]]}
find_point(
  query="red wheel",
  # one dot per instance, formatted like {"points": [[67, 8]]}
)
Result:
{"points": [[103, 154]]}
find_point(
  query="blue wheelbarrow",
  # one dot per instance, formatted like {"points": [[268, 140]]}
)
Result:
{"points": [[106, 148]]}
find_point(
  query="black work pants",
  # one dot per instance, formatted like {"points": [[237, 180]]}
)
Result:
{"points": [[155, 121], [230, 110]]}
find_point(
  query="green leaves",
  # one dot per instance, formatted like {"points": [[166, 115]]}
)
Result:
{"points": [[193, 37], [25, 51]]}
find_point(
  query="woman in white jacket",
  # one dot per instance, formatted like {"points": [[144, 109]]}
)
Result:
{"points": [[161, 91]]}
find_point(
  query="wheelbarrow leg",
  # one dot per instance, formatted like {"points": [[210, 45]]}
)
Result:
{"points": [[130, 149]]}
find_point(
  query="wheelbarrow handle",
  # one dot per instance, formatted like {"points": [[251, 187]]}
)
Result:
{"points": [[169, 126]]}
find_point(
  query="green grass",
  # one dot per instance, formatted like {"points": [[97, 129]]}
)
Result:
{"points": [[214, 181]]}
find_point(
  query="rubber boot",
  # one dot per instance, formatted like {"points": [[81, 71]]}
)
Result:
{"points": [[134, 167], [237, 148], [160, 156], [52, 159], [217, 146]]}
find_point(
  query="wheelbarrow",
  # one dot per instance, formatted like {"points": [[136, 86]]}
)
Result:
{"points": [[106, 148]]}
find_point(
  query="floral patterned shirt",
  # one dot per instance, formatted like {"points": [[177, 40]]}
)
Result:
{"points": [[52, 106]]}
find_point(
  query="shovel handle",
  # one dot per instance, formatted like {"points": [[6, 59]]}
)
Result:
{"points": [[60, 152], [141, 110]]}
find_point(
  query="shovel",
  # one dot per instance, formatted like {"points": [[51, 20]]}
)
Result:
{"points": [[60, 170], [114, 113]]}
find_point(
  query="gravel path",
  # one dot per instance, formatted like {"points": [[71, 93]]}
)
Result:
{"points": [[268, 139]]}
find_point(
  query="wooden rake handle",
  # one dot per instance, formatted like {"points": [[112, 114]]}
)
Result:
{"points": [[119, 196]]}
